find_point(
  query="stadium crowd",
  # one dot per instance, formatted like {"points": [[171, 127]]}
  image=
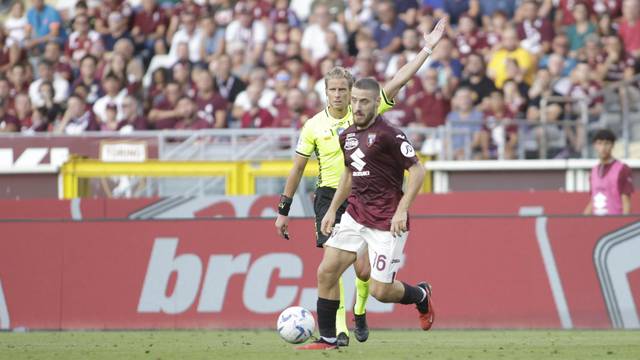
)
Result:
{"points": [[71, 66]]}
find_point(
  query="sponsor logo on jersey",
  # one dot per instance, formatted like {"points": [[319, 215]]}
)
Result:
{"points": [[407, 150], [400, 136], [358, 160], [351, 144], [371, 139], [360, 173]]}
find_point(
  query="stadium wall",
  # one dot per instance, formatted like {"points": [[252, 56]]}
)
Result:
{"points": [[487, 272]]}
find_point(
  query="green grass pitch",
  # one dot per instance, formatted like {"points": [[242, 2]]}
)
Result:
{"points": [[265, 345]]}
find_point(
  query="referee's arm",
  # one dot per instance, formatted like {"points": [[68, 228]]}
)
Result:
{"points": [[293, 180]]}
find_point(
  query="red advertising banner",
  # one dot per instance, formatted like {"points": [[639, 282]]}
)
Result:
{"points": [[487, 272], [468, 203]]}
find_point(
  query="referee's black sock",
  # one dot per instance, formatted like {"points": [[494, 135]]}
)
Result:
{"points": [[327, 310], [412, 294]]}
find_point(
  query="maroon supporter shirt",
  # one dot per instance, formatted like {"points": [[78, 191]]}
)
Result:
{"points": [[377, 157]]}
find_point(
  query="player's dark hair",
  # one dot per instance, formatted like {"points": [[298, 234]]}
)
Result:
{"points": [[367, 83], [605, 135]]}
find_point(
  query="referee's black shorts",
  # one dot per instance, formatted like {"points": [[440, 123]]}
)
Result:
{"points": [[321, 203]]}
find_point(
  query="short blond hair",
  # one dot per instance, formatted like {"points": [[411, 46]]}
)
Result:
{"points": [[338, 72]]}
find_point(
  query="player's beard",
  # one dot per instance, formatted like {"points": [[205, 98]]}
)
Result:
{"points": [[368, 118]]}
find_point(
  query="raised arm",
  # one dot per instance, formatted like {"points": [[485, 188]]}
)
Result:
{"points": [[406, 72]]}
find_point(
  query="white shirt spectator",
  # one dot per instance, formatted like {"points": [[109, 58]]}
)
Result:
{"points": [[265, 102], [100, 106], [16, 29], [194, 41], [60, 86], [237, 36], [313, 39], [302, 8]]}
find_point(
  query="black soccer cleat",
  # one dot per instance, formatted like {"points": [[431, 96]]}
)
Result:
{"points": [[362, 329], [425, 308], [343, 340]]}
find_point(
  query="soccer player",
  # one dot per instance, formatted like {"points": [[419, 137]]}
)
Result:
{"points": [[320, 136], [611, 180], [376, 154]]}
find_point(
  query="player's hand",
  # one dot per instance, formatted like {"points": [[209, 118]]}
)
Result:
{"points": [[433, 38], [326, 227], [282, 226], [399, 223]]}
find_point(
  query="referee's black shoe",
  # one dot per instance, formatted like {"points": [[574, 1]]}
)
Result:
{"points": [[362, 329], [343, 339]]}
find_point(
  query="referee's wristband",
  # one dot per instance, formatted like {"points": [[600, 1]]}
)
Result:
{"points": [[284, 205]]}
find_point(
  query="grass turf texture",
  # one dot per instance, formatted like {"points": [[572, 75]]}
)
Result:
{"points": [[264, 345]]}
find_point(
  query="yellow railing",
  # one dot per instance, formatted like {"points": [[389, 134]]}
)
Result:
{"points": [[240, 176]]}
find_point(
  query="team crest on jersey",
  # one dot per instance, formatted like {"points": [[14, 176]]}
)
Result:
{"points": [[371, 139], [351, 143]]}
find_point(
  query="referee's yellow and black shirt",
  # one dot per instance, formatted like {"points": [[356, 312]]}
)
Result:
{"points": [[320, 134]]}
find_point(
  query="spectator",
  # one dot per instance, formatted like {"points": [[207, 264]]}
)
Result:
{"points": [[103, 10], [411, 47], [299, 77], [212, 39], [110, 122], [466, 122], [190, 118], [614, 64], [497, 25], [49, 109], [256, 116], [117, 30], [313, 42], [515, 98], [578, 32], [476, 80], [116, 65], [210, 105], [584, 88], [497, 69], [46, 73], [455, 9], [247, 33], [560, 47], [407, 11], [488, 8], [8, 122], [433, 102], [19, 79], [559, 82], [365, 66], [449, 68], [500, 128], [228, 85], [242, 104], [77, 119], [283, 14], [534, 31], [468, 39], [610, 7], [81, 40], [189, 34], [87, 78], [9, 54], [45, 23], [165, 114], [180, 8], [630, 27], [114, 94], [356, 16], [553, 133], [53, 52], [133, 119], [181, 74], [149, 25], [388, 31], [295, 112], [16, 25]]}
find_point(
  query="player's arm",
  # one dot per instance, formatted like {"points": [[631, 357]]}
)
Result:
{"points": [[626, 204], [414, 183], [304, 149], [342, 193], [406, 72]]}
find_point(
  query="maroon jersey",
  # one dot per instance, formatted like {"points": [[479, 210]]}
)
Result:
{"points": [[377, 157]]}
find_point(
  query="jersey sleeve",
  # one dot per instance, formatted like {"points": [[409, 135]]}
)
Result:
{"points": [[306, 143], [625, 181], [402, 150], [385, 103]]}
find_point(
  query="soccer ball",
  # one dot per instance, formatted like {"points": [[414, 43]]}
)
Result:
{"points": [[296, 324]]}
